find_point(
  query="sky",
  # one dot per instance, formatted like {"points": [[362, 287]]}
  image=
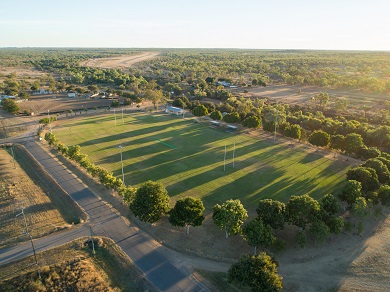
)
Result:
{"points": [[247, 24]]}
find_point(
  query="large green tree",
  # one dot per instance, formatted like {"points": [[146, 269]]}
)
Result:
{"points": [[229, 216], [187, 212], [302, 210], [329, 204], [351, 191], [151, 202], [216, 115], [10, 105], [380, 168], [271, 212], [200, 111], [256, 232], [366, 175], [252, 122], [384, 195], [259, 272], [319, 138], [320, 231], [353, 142]]}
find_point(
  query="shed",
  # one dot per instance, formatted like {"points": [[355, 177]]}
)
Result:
{"points": [[215, 124], [71, 94], [231, 128], [174, 110]]}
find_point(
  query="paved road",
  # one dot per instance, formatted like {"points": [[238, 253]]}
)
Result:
{"points": [[141, 248]]}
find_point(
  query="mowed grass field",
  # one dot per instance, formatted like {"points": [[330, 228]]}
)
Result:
{"points": [[188, 158]]}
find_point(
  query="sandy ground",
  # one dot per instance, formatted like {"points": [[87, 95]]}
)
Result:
{"points": [[121, 62]]}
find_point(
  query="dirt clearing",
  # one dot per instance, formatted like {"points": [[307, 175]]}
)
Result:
{"points": [[121, 62]]}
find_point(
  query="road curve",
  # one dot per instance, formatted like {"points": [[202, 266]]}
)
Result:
{"points": [[140, 247]]}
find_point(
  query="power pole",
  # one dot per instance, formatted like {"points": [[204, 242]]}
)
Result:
{"points": [[93, 245], [224, 160], [13, 155], [276, 120], [32, 243]]}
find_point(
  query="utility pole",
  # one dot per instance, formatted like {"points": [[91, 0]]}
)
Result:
{"points": [[234, 150], [32, 243], [115, 116], [123, 174], [276, 120], [93, 245], [122, 117], [13, 155], [224, 160], [48, 116]]}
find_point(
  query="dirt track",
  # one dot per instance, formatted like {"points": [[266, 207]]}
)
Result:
{"points": [[121, 62]]}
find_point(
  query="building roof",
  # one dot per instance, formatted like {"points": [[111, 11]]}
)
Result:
{"points": [[174, 109]]}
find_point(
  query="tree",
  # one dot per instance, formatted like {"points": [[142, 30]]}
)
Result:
{"points": [[271, 212], [229, 216], [10, 105], [353, 142], [335, 224], [210, 80], [252, 122], [366, 175], [200, 111], [155, 96], [319, 138], [216, 115], [322, 98], [384, 195], [187, 212], [329, 204], [258, 233], [337, 142], [24, 95], [302, 210], [320, 230], [232, 118], [351, 191], [151, 202], [259, 272], [292, 131], [380, 168], [360, 207]]}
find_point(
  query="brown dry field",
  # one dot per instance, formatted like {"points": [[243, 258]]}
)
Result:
{"points": [[63, 104], [119, 62], [348, 262], [18, 190], [289, 94], [21, 73]]}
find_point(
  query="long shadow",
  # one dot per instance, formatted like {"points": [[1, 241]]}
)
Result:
{"points": [[249, 184]]}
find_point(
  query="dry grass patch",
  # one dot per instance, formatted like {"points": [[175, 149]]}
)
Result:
{"points": [[18, 190], [72, 267]]}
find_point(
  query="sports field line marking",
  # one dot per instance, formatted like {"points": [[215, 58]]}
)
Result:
{"points": [[166, 144]]}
